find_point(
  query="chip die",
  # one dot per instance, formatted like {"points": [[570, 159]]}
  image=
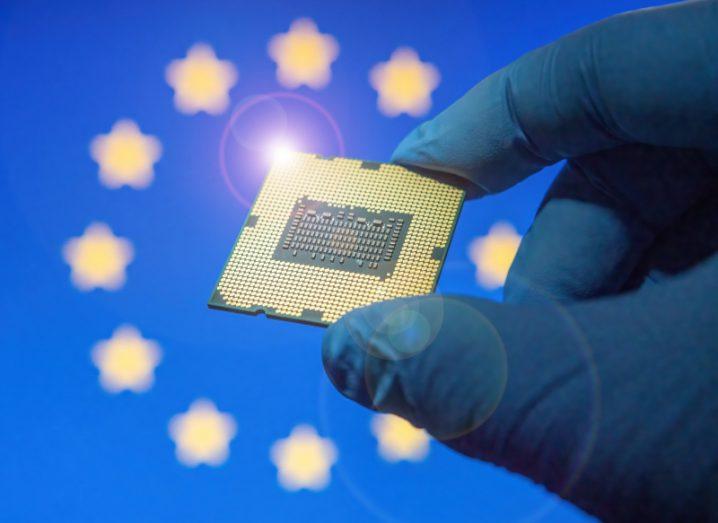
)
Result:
{"points": [[327, 235]]}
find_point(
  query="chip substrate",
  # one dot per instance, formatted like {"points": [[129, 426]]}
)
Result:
{"points": [[327, 235]]}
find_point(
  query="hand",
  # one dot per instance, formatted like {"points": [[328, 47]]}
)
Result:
{"points": [[597, 378]]}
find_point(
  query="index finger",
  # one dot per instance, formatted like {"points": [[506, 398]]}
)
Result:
{"points": [[648, 76]]}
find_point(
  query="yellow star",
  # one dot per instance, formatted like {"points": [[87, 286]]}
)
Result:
{"points": [[303, 459], [494, 253], [398, 439], [126, 156], [303, 55], [126, 361], [201, 82], [202, 434], [404, 83], [98, 258]]}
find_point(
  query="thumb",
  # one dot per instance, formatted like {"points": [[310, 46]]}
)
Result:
{"points": [[500, 382], [454, 364], [433, 360], [622, 80], [599, 401]]}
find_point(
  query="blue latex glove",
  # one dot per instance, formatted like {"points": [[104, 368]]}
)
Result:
{"points": [[598, 376]]}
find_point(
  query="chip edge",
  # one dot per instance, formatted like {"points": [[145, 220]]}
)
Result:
{"points": [[257, 310]]}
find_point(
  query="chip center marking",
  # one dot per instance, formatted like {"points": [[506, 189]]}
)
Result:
{"points": [[327, 235], [343, 237]]}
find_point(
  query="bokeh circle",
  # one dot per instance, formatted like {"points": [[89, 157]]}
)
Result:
{"points": [[471, 334], [278, 122], [422, 331]]}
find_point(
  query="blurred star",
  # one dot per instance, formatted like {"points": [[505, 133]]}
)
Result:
{"points": [[126, 156], [404, 83], [494, 253], [202, 434], [98, 258], [303, 459], [303, 55], [126, 361], [201, 82], [398, 439]]}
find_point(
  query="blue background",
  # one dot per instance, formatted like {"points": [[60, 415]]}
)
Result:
{"points": [[69, 450]]}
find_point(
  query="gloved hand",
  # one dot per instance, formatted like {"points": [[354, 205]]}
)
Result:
{"points": [[597, 378]]}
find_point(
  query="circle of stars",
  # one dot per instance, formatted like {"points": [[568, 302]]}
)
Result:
{"points": [[303, 55], [201, 82], [404, 83], [126, 361], [303, 459], [398, 440], [98, 258], [494, 253], [126, 156], [202, 434]]}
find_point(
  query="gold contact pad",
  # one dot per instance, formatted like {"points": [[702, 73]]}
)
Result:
{"points": [[252, 280]]}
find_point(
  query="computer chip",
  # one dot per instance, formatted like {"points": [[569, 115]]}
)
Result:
{"points": [[327, 235]]}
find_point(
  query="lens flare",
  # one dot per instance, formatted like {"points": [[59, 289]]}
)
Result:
{"points": [[260, 117], [281, 151]]}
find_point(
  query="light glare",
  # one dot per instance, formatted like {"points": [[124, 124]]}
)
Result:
{"points": [[280, 152]]}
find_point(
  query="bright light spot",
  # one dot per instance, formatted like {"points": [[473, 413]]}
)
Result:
{"points": [[303, 460], [404, 83], [201, 82], [494, 253], [281, 152], [126, 156], [398, 439], [126, 361], [202, 434], [98, 258], [303, 55]]}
